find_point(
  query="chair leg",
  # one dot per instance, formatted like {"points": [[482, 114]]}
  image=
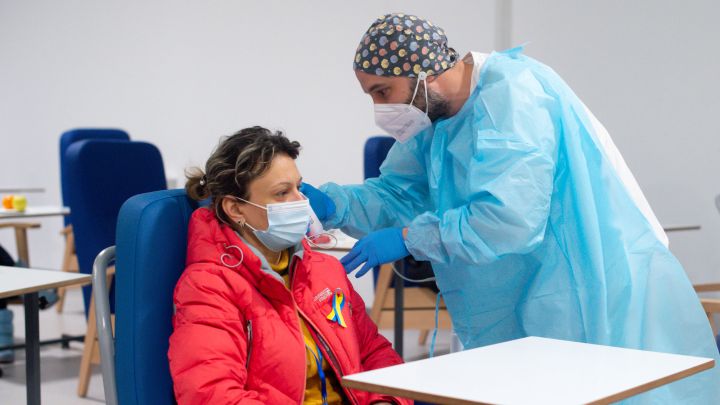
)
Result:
{"points": [[88, 349], [22, 245], [91, 348], [69, 263], [422, 339], [381, 290]]}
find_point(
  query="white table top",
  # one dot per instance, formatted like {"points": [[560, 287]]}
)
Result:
{"points": [[17, 280], [531, 370], [22, 190], [34, 211]]}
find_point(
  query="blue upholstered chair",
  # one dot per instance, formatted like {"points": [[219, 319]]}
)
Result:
{"points": [[76, 135], [149, 258], [101, 175], [69, 261]]}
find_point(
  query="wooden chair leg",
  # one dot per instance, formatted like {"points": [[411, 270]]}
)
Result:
{"points": [[382, 288], [422, 339], [69, 263], [88, 349], [22, 245], [91, 348]]}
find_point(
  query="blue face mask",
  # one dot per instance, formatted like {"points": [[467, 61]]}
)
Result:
{"points": [[287, 224]]}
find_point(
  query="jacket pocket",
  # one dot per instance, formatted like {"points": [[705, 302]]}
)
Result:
{"points": [[249, 331]]}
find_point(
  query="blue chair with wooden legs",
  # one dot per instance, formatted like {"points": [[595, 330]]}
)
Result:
{"points": [[149, 258], [102, 175]]}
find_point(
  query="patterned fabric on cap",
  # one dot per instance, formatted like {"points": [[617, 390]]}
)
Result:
{"points": [[404, 45]]}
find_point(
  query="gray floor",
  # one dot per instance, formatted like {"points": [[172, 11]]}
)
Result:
{"points": [[59, 367], [59, 372]]}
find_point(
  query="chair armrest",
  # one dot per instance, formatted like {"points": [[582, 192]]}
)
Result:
{"points": [[706, 287], [710, 305], [104, 323]]}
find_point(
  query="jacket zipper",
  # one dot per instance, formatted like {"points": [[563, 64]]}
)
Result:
{"points": [[328, 353], [290, 277], [248, 327]]}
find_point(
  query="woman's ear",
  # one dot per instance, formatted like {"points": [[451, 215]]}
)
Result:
{"points": [[234, 210]]}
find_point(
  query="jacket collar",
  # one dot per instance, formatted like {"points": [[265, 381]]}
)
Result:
{"points": [[210, 241]]}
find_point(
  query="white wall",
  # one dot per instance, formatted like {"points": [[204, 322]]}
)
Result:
{"points": [[180, 74], [648, 69]]}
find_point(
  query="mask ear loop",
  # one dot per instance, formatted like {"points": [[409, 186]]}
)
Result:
{"points": [[222, 256], [421, 76]]}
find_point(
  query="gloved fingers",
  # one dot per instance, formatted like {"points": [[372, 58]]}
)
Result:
{"points": [[353, 263], [358, 247], [321, 204], [306, 188], [363, 270], [351, 255]]}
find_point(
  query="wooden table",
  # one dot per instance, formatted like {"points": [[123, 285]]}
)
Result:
{"points": [[531, 370], [27, 282], [22, 227]]}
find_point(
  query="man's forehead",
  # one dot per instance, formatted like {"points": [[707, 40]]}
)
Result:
{"points": [[370, 82]]}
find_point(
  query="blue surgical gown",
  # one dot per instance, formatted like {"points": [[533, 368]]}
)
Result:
{"points": [[530, 230]]}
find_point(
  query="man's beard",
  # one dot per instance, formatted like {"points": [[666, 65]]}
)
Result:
{"points": [[439, 106]]}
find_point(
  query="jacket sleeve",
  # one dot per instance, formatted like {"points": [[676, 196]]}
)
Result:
{"points": [[391, 200], [208, 346], [376, 351], [509, 180]]}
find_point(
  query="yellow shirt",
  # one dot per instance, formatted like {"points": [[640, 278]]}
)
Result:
{"points": [[313, 392]]}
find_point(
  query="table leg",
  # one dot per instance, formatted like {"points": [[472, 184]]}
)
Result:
{"points": [[32, 347], [399, 304]]}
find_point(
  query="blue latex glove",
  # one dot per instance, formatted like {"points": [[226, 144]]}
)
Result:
{"points": [[323, 205], [379, 247]]}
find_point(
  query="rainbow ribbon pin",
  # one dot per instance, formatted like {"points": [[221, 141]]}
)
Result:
{"points": [[338, 302]]}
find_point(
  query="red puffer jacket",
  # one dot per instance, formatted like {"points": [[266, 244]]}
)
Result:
{"points": [[237, 335]]}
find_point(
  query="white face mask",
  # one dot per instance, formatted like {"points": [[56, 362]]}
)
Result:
{"points": [[403, 121], [287, 224]]}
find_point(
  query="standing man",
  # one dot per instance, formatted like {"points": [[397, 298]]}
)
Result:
{"points": [[511, 188]]}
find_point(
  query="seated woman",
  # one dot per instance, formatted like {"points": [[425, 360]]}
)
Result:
{"points": [[260, 317]]}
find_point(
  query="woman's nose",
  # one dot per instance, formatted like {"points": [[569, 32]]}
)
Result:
{"points": [[297, 195]]}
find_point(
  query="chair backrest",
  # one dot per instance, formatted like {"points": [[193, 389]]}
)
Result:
{"points": [[150, 250], [102, 175], [376, 149], [374, 154], [80, 134]]}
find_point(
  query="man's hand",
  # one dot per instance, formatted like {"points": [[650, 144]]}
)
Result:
{"points": [[323, 205], [379, 247]]}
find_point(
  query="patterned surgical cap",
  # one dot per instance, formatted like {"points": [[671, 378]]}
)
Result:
{"points": [[404, 45]]}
